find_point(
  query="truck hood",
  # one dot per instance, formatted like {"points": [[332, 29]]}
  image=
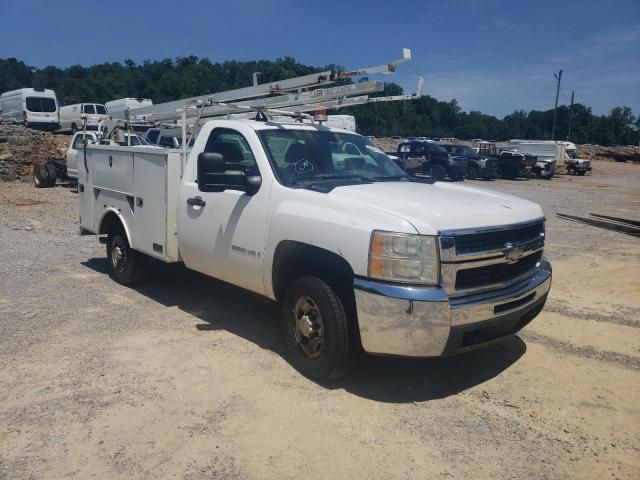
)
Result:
{"points": [[431, 208]]}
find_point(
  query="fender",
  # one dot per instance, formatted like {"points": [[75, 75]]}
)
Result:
{"points": [[109, 211]]}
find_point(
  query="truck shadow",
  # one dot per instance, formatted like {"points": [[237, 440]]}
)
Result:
{"points": [[221, 306]]}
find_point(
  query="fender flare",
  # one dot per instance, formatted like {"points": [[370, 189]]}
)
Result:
{"points": [[114, 211]]}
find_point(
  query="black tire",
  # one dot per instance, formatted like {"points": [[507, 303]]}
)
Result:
{"points": [[74, 128], [40, 176], [126, 266], [327, 350], [438, 173], [52, 173], [581, 172], [472, 172]]}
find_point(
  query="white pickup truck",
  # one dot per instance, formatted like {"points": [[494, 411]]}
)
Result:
{"points": [[360, 255]]}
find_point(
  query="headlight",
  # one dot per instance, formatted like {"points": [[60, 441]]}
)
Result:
{"points": [[402, 257]]}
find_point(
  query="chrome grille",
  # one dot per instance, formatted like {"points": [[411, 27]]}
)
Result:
{"points": [[496, 273], [478, 260], [496, 240]]}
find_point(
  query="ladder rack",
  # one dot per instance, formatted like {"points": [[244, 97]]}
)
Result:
{"points": [[295, 95]]}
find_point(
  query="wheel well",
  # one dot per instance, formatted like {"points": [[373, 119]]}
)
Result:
{"points": [[296, 259], [109, 222]]}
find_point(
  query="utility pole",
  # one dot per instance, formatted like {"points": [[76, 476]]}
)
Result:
{"points": [[558, 77], [570, 116]]}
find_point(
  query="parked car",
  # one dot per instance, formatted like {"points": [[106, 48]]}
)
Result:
{"points": [[430, 159], [73, 117], [32, 107], [165, 137], [364, 259], [478, 166]]}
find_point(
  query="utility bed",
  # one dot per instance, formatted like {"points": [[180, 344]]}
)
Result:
{"points": [[140, 186]]}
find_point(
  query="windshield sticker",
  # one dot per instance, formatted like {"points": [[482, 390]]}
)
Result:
{"points": [[303, 166], [373, 148]]}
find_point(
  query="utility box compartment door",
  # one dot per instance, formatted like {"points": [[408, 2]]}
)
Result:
{"points": [[150, 203]]}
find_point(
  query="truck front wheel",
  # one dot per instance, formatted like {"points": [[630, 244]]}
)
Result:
{"points": [[125, 264], [317, 330]]}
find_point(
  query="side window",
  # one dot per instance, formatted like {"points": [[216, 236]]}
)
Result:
{"points": [[234, 148], [417, 148], [89, 109], [167, 142], [153, 136]]}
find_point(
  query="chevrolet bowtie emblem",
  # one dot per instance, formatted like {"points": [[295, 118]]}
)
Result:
{"points": [[512, 253]]}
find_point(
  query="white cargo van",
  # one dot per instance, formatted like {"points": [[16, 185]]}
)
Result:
{"points": [[116, 108], [72, 116], [345, 122], [33, 107]]}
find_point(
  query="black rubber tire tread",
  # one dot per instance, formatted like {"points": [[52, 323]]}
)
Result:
{"points": [[74, 128], [339, 354], [438, 172], [52, 173], [581, 173], [40, 176], [472, 173], [136, 268]]}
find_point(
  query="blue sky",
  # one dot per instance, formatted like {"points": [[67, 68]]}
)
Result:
{"points": [[491, 55]]}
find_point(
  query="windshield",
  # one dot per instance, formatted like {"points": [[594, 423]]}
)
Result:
{"points": [[300, 156], [41, 104]]}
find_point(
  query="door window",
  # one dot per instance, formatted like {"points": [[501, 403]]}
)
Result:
{"points": [[89, 109], [100, 110], [234, 148]]}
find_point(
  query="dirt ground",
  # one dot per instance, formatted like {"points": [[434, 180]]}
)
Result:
{"points": [[185, 377]]}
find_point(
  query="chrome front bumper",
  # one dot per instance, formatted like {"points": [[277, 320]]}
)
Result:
{"points": [[425, 322]]}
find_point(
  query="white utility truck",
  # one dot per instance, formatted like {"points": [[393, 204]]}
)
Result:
{"points": [[549, 154], [360, 255], [32, 107], [574, 164]]}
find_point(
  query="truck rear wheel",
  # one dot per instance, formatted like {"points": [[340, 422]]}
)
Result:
{"points": [[52, 173], [317, 330], [472, 172], [125, 264], [40, 176]]}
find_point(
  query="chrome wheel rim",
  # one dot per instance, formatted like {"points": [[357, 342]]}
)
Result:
{"points": [[308, 327], [118, 254]]}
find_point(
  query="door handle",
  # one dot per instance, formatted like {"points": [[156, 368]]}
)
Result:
{"points": [[196, 202]]}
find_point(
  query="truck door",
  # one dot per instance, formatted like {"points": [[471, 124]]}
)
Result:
{"points": [[222, 234]]}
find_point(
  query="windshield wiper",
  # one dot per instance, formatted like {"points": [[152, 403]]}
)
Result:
{"points": [[383, 178], [331, 176]]}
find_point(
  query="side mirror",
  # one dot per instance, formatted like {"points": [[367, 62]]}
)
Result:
{"points": [[214, 176], [252, 183], [211, 172]]}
